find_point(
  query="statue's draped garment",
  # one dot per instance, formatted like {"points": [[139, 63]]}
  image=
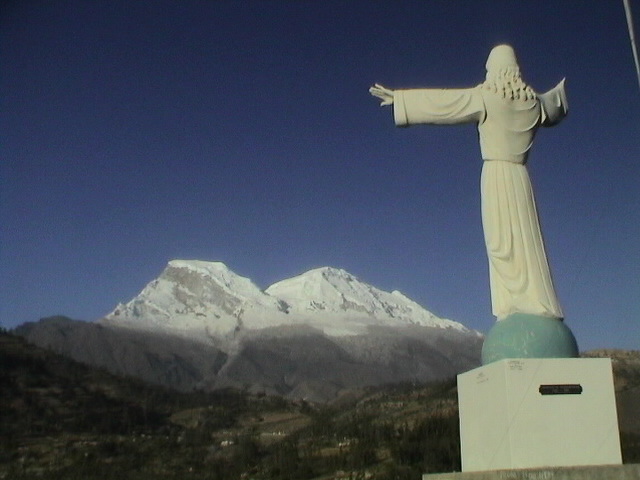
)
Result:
{"points": [[518, 268]]}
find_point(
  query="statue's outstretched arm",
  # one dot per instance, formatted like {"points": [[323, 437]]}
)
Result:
{"points": [[383, 93], [554, 105]]}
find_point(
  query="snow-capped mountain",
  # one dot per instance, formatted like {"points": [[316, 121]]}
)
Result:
{"points": [[327, 291], [195, 299], [315, 336], [206, 299]]}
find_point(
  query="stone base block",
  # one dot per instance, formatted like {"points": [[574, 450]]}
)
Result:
{"points": [[602, 472], [531, 413]]}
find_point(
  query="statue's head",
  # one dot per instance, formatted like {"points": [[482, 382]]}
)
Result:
{"points": [[503, 75], [502, 57]]}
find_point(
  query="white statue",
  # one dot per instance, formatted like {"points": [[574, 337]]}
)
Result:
{"points": [[508, 113]]}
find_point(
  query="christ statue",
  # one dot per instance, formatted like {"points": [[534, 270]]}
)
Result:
{"points": [[507, 113]]}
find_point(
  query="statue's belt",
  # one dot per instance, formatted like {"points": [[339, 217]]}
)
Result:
{"points": [[518, 161]]}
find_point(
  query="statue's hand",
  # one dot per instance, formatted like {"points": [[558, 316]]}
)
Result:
{"points": [[383, 93]]}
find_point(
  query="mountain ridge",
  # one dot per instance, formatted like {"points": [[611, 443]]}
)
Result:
{"points": [[314, 336], [194, 296]]}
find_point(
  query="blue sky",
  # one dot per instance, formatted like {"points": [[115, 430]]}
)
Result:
{"points": [[134, 133]]}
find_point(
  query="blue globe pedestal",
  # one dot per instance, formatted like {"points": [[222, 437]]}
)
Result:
{"points": [[528, 336]]}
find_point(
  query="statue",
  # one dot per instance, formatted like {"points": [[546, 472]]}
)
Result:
{"points": [[508, 113]]}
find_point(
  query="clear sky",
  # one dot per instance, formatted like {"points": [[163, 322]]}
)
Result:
{"points": [[136, 132]]}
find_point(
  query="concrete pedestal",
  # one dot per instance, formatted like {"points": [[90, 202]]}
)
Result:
{"points": [[602, 472], [530, 413]]}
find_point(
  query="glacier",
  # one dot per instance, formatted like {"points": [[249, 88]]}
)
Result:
{"points": [[207, 301], [317, 336]]}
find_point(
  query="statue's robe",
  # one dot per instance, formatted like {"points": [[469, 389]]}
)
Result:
{"points": [[518, 268]]}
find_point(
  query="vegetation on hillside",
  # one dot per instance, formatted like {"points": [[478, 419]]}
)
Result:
{"points": [[63, 420]]}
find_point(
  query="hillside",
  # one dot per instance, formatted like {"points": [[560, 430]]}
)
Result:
{"points": [[63, 420]]}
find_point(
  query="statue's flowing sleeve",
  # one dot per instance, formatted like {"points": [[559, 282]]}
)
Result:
{"points": [[554, 105], [437, 106]]}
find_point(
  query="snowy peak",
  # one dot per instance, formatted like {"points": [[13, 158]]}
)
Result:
{"points": [[195, 274], [207, 300], [199, 298], [330, 290], [316, 290]]}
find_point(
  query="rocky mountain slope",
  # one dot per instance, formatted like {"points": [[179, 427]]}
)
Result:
{"points": [[315, 336], [63, 420]]}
